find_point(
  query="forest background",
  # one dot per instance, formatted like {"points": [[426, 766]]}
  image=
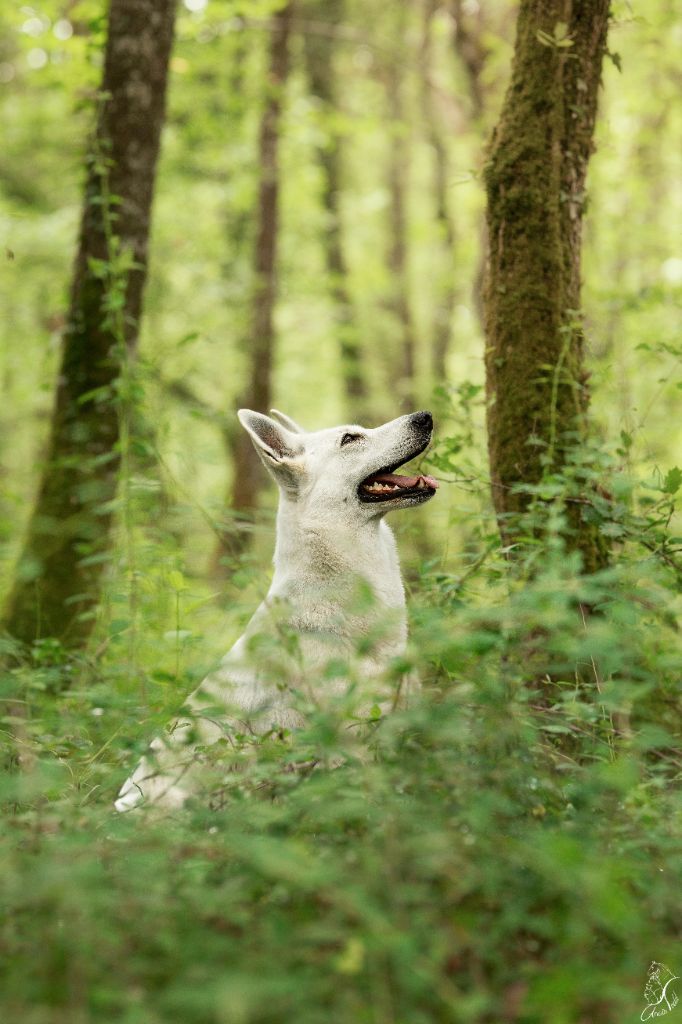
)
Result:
{"points": [[275, 909]]}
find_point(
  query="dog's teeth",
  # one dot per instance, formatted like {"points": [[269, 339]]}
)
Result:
{"points": [[377, 487]]}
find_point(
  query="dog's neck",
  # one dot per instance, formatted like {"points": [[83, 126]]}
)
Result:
{"points": [[309, 548]]}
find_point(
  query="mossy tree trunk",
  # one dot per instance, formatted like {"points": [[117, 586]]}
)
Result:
{"points": [[257, 394], [319, 54], [535, 182], [66, 549]]}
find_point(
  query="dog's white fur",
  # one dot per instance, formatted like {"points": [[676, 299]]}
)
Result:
{"points": [[331, 549]]}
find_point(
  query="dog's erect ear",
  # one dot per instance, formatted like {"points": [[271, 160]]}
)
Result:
{"points": [[271, 439], [287, 421], [278, 447]]}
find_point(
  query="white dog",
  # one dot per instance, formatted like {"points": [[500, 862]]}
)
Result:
{"points": [[336, 596]]}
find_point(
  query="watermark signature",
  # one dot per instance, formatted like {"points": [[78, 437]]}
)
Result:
{"points": [[659, 992]]}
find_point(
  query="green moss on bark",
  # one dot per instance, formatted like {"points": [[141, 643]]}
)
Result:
{"points": [[535, 182]]}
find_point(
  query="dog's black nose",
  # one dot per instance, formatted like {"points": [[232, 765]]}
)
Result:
{"points": [[422, 420]]}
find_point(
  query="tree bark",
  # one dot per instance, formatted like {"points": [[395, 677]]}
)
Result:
{"points": [[397, 260], [248, 474], [469, 32], [319, 53], [59, 574], [535, 182], [446, 293]]}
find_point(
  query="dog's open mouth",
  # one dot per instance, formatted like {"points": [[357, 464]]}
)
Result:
{"points": [[386, 485]]}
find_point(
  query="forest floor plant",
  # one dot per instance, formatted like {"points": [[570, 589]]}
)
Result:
{"points": [[501, 858]]}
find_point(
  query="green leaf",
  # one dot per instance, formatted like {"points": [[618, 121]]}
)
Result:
{"points": [[559, 37], [118, 626], [176, 635], [177, 580], [673, 479], [351, 958], [98, 268], [616, 60], [611, 530], [189, 338]]}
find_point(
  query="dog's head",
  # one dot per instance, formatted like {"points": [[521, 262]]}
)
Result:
{"points": [[348, 467]]}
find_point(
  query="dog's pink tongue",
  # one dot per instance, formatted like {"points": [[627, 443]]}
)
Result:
{"points": [[404, 481]]}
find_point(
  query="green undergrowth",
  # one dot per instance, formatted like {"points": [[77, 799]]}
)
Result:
{"points": [[507, 849]]}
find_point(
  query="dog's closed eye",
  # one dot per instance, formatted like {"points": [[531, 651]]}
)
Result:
{"points": [[349, 438]]}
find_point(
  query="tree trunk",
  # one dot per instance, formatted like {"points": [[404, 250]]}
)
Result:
{"points": [[468, 35], [397, 261], [469, 32], [535, 182], [446, 293], [319, 52], [59, 574], [248, 474]]}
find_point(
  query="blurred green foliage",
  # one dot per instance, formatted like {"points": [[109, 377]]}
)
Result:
{"points": [[197, 317], [511, 850]]}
